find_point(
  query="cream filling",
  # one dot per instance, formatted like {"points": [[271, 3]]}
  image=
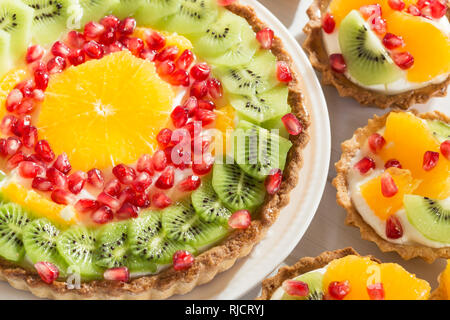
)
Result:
{"points": [[331, 42]]}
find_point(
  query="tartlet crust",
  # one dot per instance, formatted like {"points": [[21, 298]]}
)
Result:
{"points": [[211, 262], [318, 57], [349, 150]]}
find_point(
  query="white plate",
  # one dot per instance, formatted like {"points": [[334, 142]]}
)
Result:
{"points": [[294, 219]]}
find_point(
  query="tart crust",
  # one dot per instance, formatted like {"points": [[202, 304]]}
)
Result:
{"points": [[211, 262], [349, 150], [318, 56]]}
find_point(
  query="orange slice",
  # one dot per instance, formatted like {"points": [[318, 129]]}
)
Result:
{"points": [[445, 280], [401, 285], [225, 124]]}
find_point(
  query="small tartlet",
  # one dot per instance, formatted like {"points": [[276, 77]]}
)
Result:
{"points": [[318, 57], [349, 150]]}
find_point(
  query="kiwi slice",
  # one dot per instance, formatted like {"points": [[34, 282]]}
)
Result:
{"points": [[39, 239], [257, 151], [430, 217], [52, 17], [77, 246], [5, 52], [258, 76], [314, 280], [94, 10], [440, 130], [276, 124], [367, 60], [181, 223], [262, 107], [236, 189], [112, 247], [126, 8], [208, 205], [148, 241], [12, 222], [16, 18], [153, 12]]}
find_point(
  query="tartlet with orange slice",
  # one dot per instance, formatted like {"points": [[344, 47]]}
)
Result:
{"points": [[388, 53], [394, 181], [344, 275], [144, 151]]}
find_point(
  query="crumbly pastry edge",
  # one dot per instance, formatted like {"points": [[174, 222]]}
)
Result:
{"points": [[318, 57], [211, 262], [349, 150]]}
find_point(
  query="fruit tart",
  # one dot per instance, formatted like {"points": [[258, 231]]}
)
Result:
{"points": [[344, 275], [443, 291], [387, 53], [145, 145], [394, 181]]}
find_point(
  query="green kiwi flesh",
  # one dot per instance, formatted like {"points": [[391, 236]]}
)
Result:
{"points": [[12, 222], [94, 10], [153, 13], [126, 8], [112, 246], [366, 58], [5, 52], [441, 130], [314, 280]]}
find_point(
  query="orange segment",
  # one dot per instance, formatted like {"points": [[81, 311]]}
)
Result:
{"points": [[445, 281], [340, 8], [384, 207], [401, 285], [225, 124], [106, 111]]}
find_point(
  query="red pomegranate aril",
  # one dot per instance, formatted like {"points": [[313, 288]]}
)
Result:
{"points": [[115, 47], [423, 3], [109, 201], [26, 87], [328, 23], [142, 182], [12, 145], [185, 60], [206, 104], [41, 78], [14, 161], [182, 260], [37, 95], [376, 142], [127, 26], [57, 178], [148, 54], [203, 167], [108, 37], [110, 21], [438, 9], [378, 25], [168, 154], [292, 124], [47, 271], [25, 107], [76, 181], [42, 184], [60, 49], [164, 137], [93, 30], [179, 116], [181, 135], [190, 105], [160, 160], [200, 71], [168, 53], [141, 200], [13, 100], [179, 78], [62, 163], [126, 195], [265, 38], [191, 183], [125, 174], [165, 68], [214, 87], [403, 59], [167, 179], [29, 170], [430, 160], [155, 40], [370, 10], [445, 149], [3, 147], [376, 291], [273, 181], [75, 39], [241, 219], [117, 274], [34, 53], [56, 65], [20, 125], [337, 63], [388, 186], [95, 178], [127, 211], [86, 205], [205, 116], [392, 163], [413, 10], [62, 196], [135, 45], [93, 50], [365, 164], [7, 124], [113, 187], [44, 151], [224, 3], [145, 164], [199, 89], [102, 215], [394, 229], [391, 41], [160, 200], [398, 5], [77, 57], [339, 289], [295, 288]]}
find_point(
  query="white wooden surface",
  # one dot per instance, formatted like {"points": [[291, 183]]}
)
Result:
{"points": [[328, 231]]}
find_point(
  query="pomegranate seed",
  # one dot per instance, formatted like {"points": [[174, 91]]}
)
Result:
{"points": [[108, 37], [141, 200], [165, 68], [13, 100], [214, 87], [179, 78], [265, 38], [93, 50], [168, 156], [41, 78], [445, 149], [403, 59], [191, 183], [206, 104], [273, 181], [199, 89], [34, 53], [337, 63], [164, 137], [28, 169], [224, 3], [155, 40], [115, 47], [365, 164], [392, 163], [14, 161], [37, 95], [29, 136], [77, 57], [292, 124], [25, 107], [62, 196], [396, 4], [438, 9], [159, 160], [117, 274], [370, 10], [423, 3], [394, 229], [205, 116], [167, 179], [12, 145], [148, 54], [75, 39], [145, 164], [62, 163], [125, 174], [127, 26], [127, 195], [127, 211], [430, 160], [182, 260], [35, 158], [93, 30], [391, 41], [86, 205], [190, 105], [296, 288], [160, 200], [376, 291], [102, 215], [8, 124], [339, 289], [180, 136], [42, 184], [95, 178], [57, 178], [142, 182], [179, 116], [240, 219], [26, 87], [378, 25], [412, 9], [328, 23], [60, 49], [376, 142], [44, 151], [185, 60], [135, 45], [47, 271], [113, 187], [204, 167], [110, 22], [168, 53], [77, 181], [388, 186], [3, 147], [109, 201], [20, 125], [200, 71]]}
